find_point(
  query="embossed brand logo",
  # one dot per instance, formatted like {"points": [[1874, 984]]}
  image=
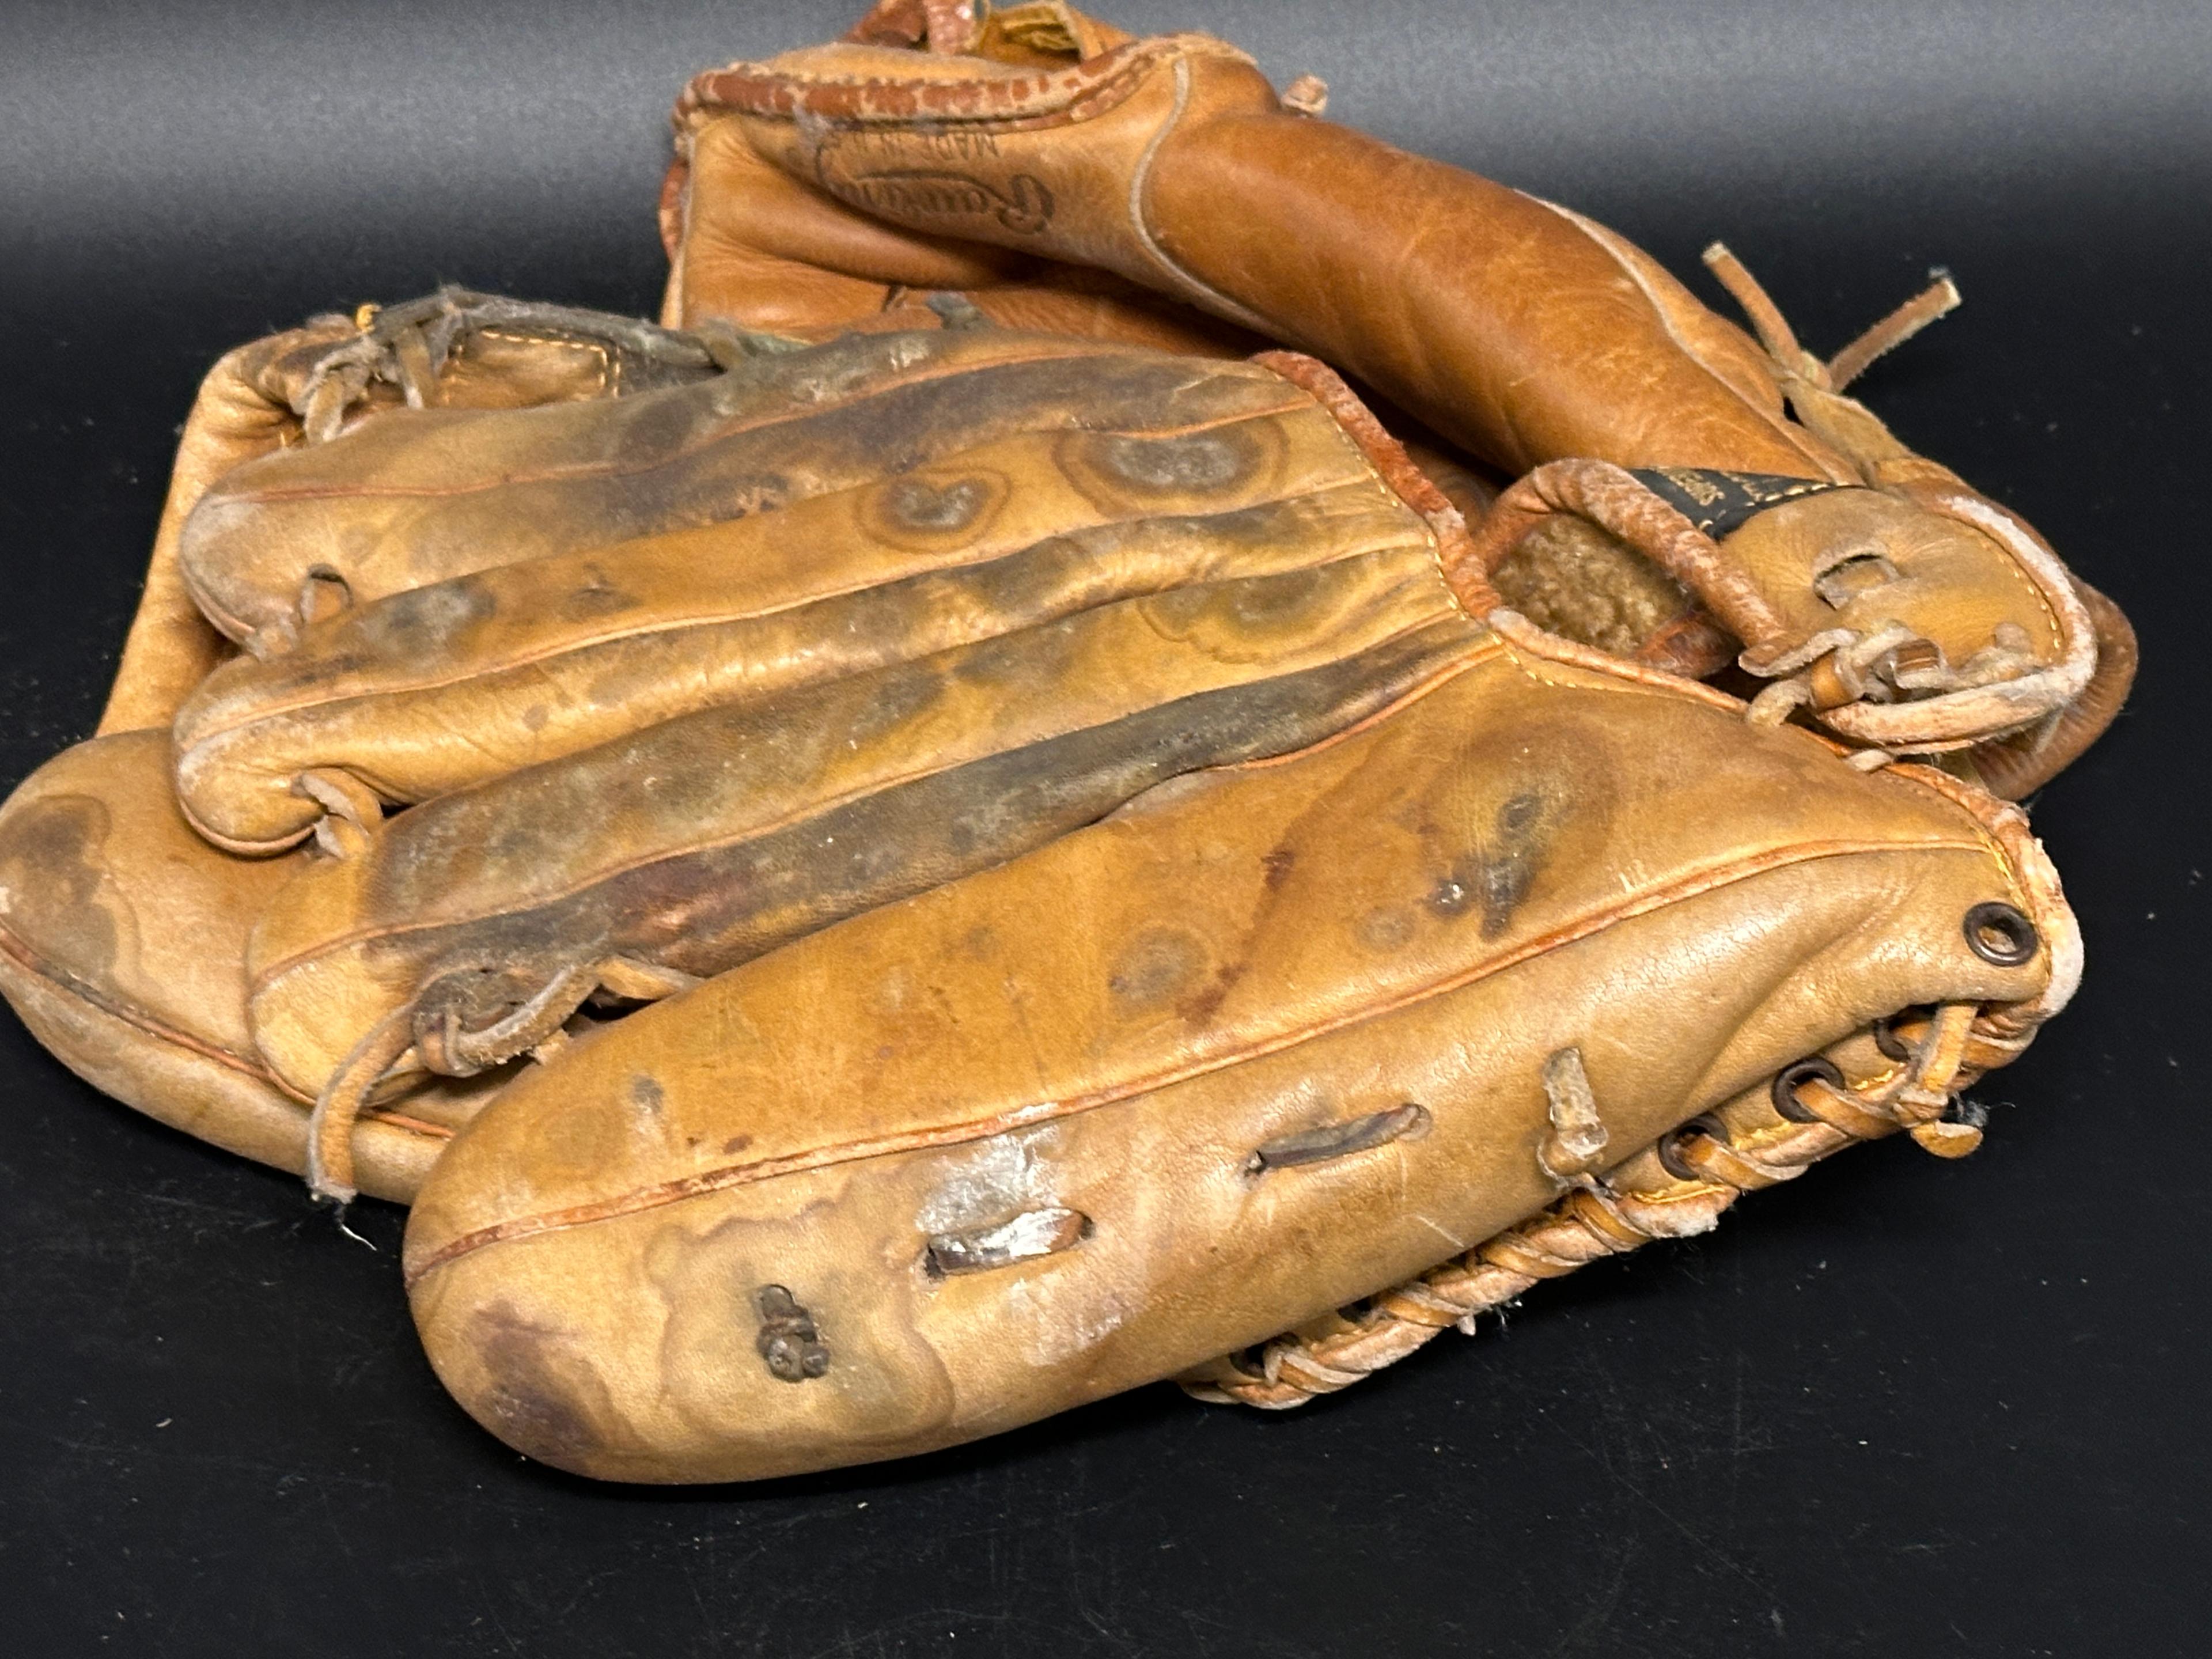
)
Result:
{"points": [[1024, 206]]}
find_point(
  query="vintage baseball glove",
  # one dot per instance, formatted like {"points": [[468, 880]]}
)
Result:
{"points": [[1115, 880], [1054, 169]]}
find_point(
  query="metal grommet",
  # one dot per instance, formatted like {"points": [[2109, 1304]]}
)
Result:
{"points": [[1884, 1032], [1669, 1147], [2000, 934], [1784, 1091]]}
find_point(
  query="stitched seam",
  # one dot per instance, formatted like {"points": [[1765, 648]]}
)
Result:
{"points": [[1142, 177], [1066, 95], [1387, 493], [2051, 625], [1628, 678], [115, 1008], [610, 366]]}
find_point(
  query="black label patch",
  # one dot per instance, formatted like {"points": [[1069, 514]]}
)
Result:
{"points": [[1719, 502]]}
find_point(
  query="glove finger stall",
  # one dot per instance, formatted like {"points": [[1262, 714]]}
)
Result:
{"points": [[712, 838], [728, 1241], [123, 944], [419, 495], [537, 660]]}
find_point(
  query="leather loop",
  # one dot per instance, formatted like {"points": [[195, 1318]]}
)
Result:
{"points": [[1615, 500]]}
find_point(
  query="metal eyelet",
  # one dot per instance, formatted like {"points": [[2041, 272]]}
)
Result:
{"points": [[1884, 1032], [1784, 1090], [2001, 935], [1669, 1148]]}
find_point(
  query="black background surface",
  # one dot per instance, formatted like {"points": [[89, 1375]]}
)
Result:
{"points": [[1900, 1408]]}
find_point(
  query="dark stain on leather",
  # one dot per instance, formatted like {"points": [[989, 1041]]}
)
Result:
{"points": [[1195, 462], [419, 626], [904, 427], [597, 596], [1385, 928], [654, 430], [705, 909], [1228, 463], [1156, 967], [1284, 605], [1266, 603], [919, 506], [1491, 878], [52, 869], [541, 1396], [1201, 1007]]}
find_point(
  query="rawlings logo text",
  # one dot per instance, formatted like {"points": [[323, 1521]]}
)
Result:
{"points": [[1024, 206]]}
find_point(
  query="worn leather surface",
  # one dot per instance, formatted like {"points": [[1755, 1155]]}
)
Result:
{"points": [[1523, 333], [949, 488], [1072, 1062], [123, 939], [245, 411]]}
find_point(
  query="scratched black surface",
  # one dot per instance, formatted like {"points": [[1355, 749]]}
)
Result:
{"points": [[1900, 1408]]}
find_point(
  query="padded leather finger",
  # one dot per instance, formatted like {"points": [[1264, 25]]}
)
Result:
{"points": [[420, 495], [123, 939], [1247, 1052], [1205, 473]]}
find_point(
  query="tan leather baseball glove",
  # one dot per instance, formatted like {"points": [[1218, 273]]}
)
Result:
{"points": [[1052, 168], [1119, 890]]}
